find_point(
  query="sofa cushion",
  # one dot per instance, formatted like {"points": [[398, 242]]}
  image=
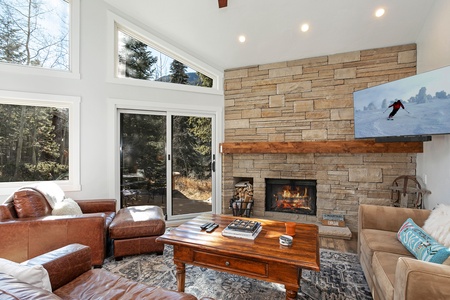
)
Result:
{"points": [[66, 207], [380, 240], [421, 244], [30, 203], [138, 221], [383, 265], [35, 275], [94, 283], [438, 224]]}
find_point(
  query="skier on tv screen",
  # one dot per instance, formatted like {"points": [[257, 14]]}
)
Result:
{"points": [[395, 107]]}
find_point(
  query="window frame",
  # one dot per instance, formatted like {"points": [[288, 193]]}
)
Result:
{"points": [[51, 100], [74, 52], [116, 23]]}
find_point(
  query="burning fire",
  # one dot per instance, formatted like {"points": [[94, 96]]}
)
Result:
{"points": [[296, 194], [291, 199]]}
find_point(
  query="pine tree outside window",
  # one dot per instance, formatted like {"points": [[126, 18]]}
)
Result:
{"points": [[138, 60], [34, 143], [39, 134]]}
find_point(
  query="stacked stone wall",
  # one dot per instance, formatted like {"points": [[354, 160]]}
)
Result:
{"points": [[312, 100]]}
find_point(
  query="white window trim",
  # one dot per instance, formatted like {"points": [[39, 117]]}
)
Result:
{"points": [[51, 100], [74, 52], [115, 22]]}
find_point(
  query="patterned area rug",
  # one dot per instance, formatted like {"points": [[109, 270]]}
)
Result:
{"points": [[340, 278]]}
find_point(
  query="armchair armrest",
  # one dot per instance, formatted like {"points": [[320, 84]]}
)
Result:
{"points": [[97, 205], [388, 218], [64, 264], [416, 279]]}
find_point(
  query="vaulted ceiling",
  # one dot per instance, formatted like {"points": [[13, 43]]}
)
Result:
{"points": [[272, 27]]}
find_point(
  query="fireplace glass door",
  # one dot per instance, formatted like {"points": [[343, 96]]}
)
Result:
{"points": [[291, 196]]}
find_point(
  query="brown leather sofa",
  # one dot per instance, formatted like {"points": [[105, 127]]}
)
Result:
{"points": [[28, 229], [72, 277]]}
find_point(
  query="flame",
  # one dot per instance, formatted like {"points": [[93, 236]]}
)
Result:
{"points": [[291, 199], [288, 193]]}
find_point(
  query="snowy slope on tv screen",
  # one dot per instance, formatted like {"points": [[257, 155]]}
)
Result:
{"points": [[424, 107]]}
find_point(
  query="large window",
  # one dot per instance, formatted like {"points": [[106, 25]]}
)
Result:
{"points": [[136, 59], [136, 56], [34, 143], [38, 134], [39, 33]]}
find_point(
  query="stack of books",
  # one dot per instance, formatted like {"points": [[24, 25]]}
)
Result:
{"points": [[245, 229]]}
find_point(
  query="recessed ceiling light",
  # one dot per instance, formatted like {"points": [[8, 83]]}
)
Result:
{"points": [[242, 38], [379, 12], [304, 27]]}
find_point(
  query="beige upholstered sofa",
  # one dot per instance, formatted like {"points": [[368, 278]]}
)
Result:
{"points": [[392, 272]]}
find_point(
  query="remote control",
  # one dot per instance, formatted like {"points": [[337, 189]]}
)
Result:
{"points": [[210, 225], [211, 228], [206, 225]]}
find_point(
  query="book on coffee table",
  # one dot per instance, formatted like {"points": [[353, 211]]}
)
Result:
{"points": [[242, 229]]}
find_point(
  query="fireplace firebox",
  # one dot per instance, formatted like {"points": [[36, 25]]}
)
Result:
{"points": [[295, 196]]}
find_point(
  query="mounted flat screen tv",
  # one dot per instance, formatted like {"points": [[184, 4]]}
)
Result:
{"points": [[423, 110]]}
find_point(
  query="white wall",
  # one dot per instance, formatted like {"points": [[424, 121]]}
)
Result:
{"points": [[95, 90], [433, 51]]}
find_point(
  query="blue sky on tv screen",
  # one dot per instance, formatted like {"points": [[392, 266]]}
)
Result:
{"points": [[426, 112]]}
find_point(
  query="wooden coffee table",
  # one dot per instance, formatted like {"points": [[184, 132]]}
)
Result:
{"points": [[263, 258]]}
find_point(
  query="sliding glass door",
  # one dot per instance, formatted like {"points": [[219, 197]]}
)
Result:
{"points": [[143, 158], [167, 160], [192, 164]]}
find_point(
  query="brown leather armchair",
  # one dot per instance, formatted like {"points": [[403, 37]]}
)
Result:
{"points": [[71, 277], [28, 229]]}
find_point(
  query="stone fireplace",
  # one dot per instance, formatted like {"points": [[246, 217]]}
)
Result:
{"points": [[305, 106], [294, 196]]}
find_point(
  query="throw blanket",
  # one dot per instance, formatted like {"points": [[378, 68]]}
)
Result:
{"points": [[51, 191]]}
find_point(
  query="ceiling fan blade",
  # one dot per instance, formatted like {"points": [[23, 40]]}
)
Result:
{"points": [[223, 3]]}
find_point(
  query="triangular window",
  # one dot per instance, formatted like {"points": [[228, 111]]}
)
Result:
{"points": [[138, 60]]}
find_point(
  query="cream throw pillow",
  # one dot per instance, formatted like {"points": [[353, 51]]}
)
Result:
{"points": [[35, 275], [438, 224], [66, 207]]}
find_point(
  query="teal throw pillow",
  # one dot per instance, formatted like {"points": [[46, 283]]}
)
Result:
{"points": [[421, 244]]}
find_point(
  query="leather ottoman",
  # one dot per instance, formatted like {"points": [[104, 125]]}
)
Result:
{"points": [[134, 230]]}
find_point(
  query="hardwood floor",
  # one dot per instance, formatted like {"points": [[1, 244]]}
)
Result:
{"points": [[340, 245]]}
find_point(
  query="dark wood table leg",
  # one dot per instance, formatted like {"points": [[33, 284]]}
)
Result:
{"points": [[291, 294], [181, 275]]}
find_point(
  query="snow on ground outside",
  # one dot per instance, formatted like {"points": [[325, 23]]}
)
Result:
{"points": [[428, 118]]}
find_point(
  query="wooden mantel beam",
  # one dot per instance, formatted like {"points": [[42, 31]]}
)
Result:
{"points": [[356, 146], [223, 3]]}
